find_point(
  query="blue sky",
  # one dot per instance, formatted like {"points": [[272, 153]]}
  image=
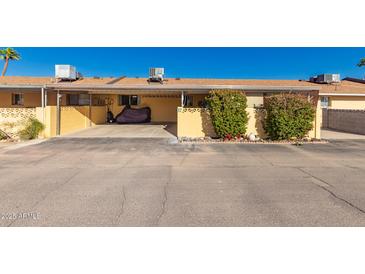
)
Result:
{"points": [[245, 63]]}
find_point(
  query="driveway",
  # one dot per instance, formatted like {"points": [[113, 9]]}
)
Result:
{"points": [[151, 130], [149, 182]]}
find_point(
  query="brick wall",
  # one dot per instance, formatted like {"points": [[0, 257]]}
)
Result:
{"points": [[347, 120]]}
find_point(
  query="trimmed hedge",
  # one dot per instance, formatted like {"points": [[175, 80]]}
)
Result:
{"points": [[228, 112], [288, 116]]}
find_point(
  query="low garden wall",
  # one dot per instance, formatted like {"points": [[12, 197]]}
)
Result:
{"points": [[347, 120], [73, 118], [196, 123], [12, 119]]}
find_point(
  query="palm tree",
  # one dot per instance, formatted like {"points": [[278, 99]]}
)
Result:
{"points": [[361, 63], [8, 54]]}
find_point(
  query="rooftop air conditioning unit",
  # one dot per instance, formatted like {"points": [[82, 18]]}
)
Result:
{"points": [[328, 78], [156, 74], [65, 72]]}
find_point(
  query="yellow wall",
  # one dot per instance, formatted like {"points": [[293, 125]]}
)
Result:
{"points": [[115, 108], [74, 118], [79, 117], [98, 115], [317, 123], [48, 116], [5, 99], [253, 99], [163, 108], [347, 102], [31, 99], [196, 122], [192, 122], [255, 122]]}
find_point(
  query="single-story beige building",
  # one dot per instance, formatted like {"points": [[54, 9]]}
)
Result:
{"points": [[347, 94], [67, 106]]}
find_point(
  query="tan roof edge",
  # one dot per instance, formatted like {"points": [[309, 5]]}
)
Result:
{"points": [[22, 86], [181, 87], [341, 94]]}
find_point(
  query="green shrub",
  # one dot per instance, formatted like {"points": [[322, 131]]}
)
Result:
{"points": [[288, 116], [31, 129], [228, 112], [2, 135]]}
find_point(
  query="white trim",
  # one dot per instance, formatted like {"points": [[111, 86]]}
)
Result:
{"points": [[342, 94]]}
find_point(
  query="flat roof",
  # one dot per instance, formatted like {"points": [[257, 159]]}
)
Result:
{"points": [[106, 84]]}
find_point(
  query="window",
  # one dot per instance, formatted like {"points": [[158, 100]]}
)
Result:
{"points": [[84, 99], [132, 100], [78, 99], [17, 99], [324, 102], [188, 101], [73, 99], [123, 100]]}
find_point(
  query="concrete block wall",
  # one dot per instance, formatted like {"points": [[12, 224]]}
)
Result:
{"points": [[346, 120]]}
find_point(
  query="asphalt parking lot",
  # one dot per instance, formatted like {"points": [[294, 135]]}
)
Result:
{"points": [[151, 182]]}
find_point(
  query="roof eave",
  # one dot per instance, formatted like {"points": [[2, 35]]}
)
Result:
{"points": [[342, 94], [183, 87], [11, 86]]}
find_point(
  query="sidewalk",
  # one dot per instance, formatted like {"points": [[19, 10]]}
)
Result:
{"points": [[338, 135]]}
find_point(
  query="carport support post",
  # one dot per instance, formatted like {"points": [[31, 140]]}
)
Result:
{"points": [[58, 126], [43, 106], [182, 98], [90, 104]]}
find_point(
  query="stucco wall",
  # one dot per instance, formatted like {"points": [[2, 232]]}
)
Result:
{"points": [[347, 120], [5, 99], [196, 123], [317, 123], [163, 107], [253, 99], [31, 99], [74, 118], [347, 102], [98, 115], [79, 117], [48, 116]]}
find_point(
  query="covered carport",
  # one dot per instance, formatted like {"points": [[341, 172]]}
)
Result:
{"points": [[162, 100]]}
